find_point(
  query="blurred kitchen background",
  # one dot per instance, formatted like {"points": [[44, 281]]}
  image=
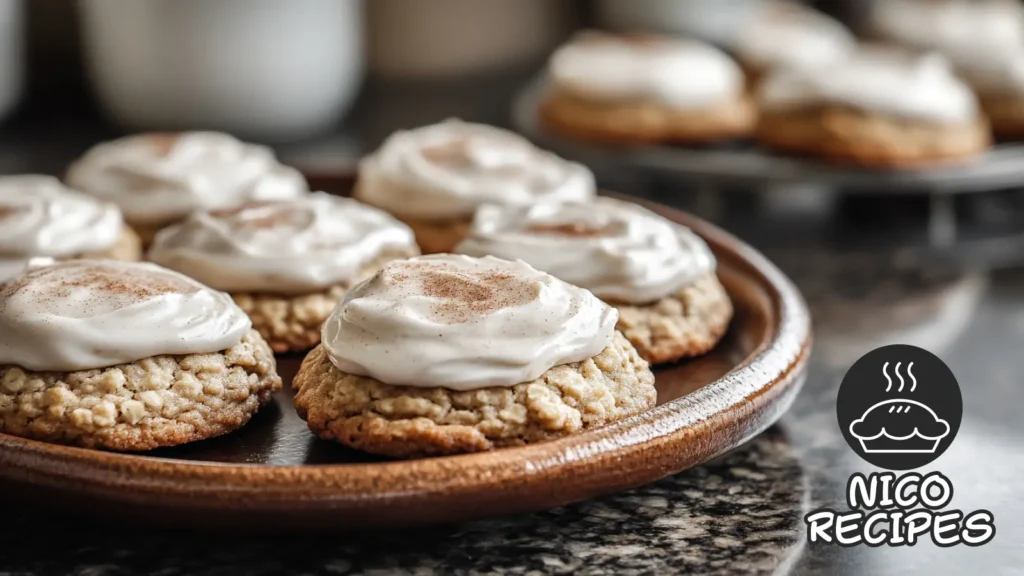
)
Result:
{"points": [[324, 81]]}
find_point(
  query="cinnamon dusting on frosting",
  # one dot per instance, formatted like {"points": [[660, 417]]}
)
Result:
{"points": [[265, 216], [63, 279], [141, 285], [7, 211], [463, 323], [162, 142], [467, 152], [448, 170], [88, 314], [449, 152], [571, 229], [463, 296]]}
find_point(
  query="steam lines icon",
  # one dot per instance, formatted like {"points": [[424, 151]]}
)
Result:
{"points": [[913, 385]]}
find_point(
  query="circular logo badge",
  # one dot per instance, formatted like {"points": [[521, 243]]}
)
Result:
{"points": [[899, 407]]}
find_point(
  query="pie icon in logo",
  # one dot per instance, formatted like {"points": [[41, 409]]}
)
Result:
{"points": [[890, 418], [880, 435]]}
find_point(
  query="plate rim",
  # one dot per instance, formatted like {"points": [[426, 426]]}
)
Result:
{"points": [[778, 365]]}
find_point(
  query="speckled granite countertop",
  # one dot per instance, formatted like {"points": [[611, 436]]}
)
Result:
{"points": [[742, 514]]}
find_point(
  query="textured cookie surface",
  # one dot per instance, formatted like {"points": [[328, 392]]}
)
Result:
{"points": [[688, 323], [856, 137], [292, 323], [155, 402], [644, 121], [403, 421]]}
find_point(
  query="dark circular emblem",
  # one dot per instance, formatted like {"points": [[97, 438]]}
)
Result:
{"points": [[899, 407]]}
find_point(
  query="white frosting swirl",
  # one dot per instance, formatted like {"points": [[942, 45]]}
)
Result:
{"points": [[444, 171], [464, 323], [85, 314], [11, 267], [617, 250], [983, 38], [157, 178], [39, 216], [885, 81], [790, 35], [292, 246], [999, 73], [681, 73]]}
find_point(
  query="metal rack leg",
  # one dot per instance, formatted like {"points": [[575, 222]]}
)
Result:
{"points": [[941, 220]]}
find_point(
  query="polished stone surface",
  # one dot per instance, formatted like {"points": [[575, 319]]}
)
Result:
{"points": [[742, 514]]}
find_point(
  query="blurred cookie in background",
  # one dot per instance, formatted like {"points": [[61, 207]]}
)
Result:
{"points": [[434, 177], [632, 88], [785, 34], [879, 107], [984, 39]]}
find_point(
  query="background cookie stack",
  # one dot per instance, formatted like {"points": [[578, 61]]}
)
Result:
{"points": [[926, 83]]}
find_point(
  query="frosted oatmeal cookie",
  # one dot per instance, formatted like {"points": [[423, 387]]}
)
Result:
{"points": [[285, 263], [125, 356], [433, 178], [448, 354], [948, 26], [880, 107], [984, 39], [158, 179], [42, 218], [645, 88], [659, 275], [786, 34]]}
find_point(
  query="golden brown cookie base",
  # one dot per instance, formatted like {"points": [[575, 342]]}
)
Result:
{"points": [[128, 248], [432, 236], [439, 237], [1006, 115], [851, 136], [402, 421], [688, 323], [152, 403], [643, 121], [754, 74], [147, 230], [292, 323]]}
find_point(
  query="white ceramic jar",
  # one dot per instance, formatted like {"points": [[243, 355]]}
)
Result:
{"points": [[264, 69], [448, 38]]}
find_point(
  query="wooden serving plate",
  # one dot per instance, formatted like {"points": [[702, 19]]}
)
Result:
{"points": [[275, 475]]}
